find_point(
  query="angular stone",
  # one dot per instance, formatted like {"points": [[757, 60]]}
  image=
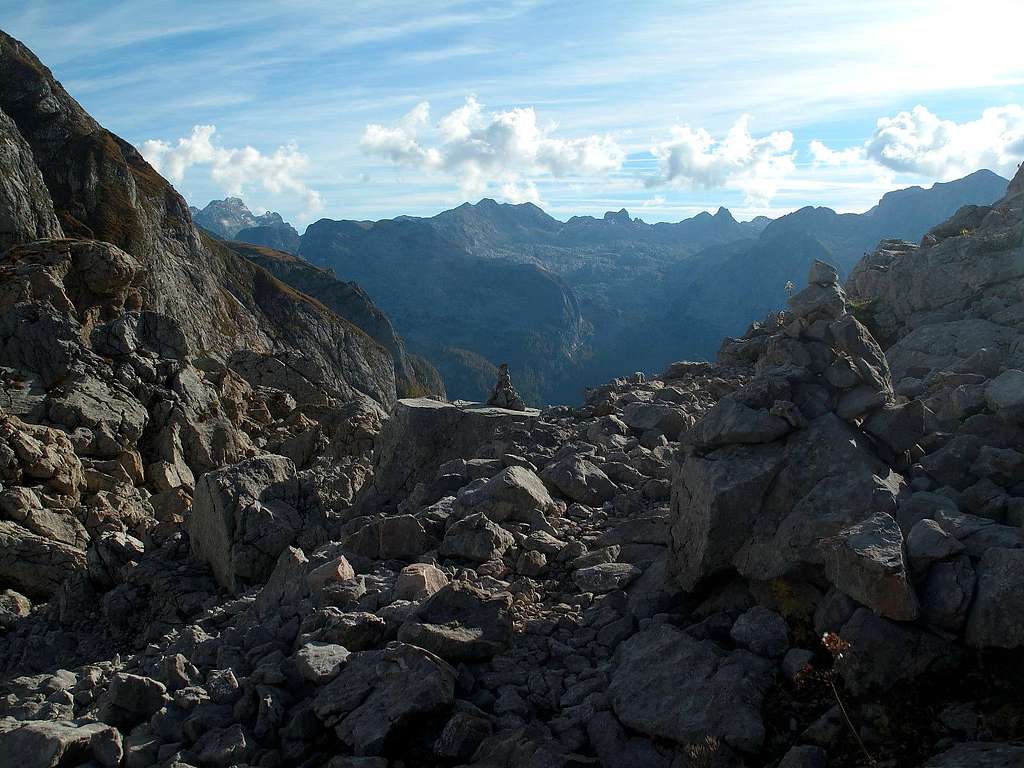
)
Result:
{"points": [[605, 577], [379, 693], [669, 686], [461, 623], [579, 480], [997, 616], [419, 581], [867, 564]]}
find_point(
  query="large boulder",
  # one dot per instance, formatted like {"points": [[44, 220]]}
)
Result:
{"points": [[33, 564], [515, 494], [422, 434], [765, 509], [997, 616], [460, 622], [669, 686], [580, 480], [378, 694], [245, 515]]}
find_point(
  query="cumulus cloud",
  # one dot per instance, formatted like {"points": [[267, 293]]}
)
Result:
{"points": [[921, 143], [755, 165], [482, 149], [233, 168]]}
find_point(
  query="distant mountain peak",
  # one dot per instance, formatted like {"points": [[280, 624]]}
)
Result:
{"points": [[620, 216], [226, 218]]}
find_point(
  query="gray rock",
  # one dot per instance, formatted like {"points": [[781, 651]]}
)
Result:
{"points": [[867, 564], [130, 699], [42, 744], [320, 663], [806, 756], [605, 577], [245, 515], [947, 593], [669, 686], [514, 493], [997, 616], [927, 542], [476, 538], [580, 480], [731, 422], [1005, 395], [378, 693], [461, 623], [979, 754], [761, 631]]}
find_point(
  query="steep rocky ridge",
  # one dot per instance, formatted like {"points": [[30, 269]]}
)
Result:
{"points": [[414, 375]]}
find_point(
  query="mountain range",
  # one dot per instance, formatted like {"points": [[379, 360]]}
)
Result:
{"points": [[568, 304]]}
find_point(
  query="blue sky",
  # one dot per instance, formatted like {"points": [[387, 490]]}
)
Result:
{"points": [[371, 110]]}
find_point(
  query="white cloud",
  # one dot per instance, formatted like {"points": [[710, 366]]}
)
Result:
{"points": [[694, 159], [919, 142], [497, 149], [233, 168]]}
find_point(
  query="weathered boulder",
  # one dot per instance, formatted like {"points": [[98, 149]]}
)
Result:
{"points": [[244, 515], [35, 565], [670, 686], [765, 509], [460, 623], [1005, 395], [580, 480], [997, 616], [423, 434], [476, 538], [979, 754], [867, 563], [515, 493], [419, 581], [43, 744], [378, 693]]}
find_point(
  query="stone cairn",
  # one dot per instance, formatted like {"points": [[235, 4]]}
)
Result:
{"points": [[504, 395]]}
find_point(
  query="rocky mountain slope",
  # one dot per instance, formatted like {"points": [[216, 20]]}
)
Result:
{"points": [[642, 294], [808, 553], [231, 219], [414, 376]]}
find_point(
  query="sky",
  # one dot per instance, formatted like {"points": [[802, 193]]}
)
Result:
{"points": [[369, 110]]}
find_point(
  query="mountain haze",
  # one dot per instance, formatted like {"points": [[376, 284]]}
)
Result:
{"points": [[572, 303]]}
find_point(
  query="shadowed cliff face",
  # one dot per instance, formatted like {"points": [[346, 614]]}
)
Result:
{"points": [[414, 377], [102, 188]]}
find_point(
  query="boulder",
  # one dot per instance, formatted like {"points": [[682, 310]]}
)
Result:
{"points": [[579, 480], [422, 434], [476, 538], [35, 565], [377, 694], [461, 623], [997, 616], [1005, 395], [867, 564], [669, 686], [730, 422], [44, 744], [605, 577], [979, 754], [761, 631], [514, 493], [419, 581], [245, 515]]}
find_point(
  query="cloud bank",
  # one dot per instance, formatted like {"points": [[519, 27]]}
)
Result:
{"points": [[233, 168], [756, 166], [503, 150], [921, 143]]}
